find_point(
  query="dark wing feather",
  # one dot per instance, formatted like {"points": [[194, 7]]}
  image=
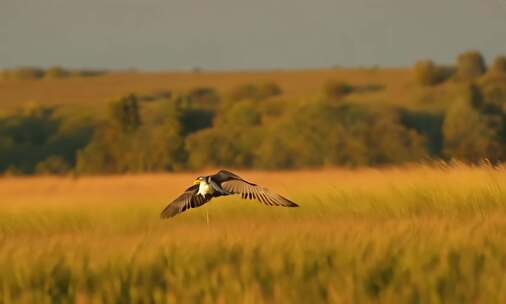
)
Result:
{"points": [[252, 191], [224, 175], [189, 199]]}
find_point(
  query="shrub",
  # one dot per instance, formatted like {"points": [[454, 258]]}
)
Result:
{"points": [[470, 65], [53, 165], [193, 120], [494, 94], [255, 91], [190, 116], [247, 91], [22, 73], [91, 73], [499, 66], [269, 89], [336, 90], [56, 72], [426, 73], [155, 95], [203, 95]]}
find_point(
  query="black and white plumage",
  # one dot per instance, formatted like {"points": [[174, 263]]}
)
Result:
{"points": [[221, 184]]}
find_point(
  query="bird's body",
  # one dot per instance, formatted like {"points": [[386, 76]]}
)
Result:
{"points": [[220, 184], [205, 188]]}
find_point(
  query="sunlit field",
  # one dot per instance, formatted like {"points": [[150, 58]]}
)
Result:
{"points": [[96, 91], [415, 234]]}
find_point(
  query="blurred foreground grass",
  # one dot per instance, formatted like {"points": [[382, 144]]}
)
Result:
{"points": [[400, 235]]}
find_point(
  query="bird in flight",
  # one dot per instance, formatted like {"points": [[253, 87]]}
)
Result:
{"points": [[221, 184]]}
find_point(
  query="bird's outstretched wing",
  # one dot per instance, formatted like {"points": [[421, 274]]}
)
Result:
{"points": [[224, 175], [189, 199], [232, 183]]}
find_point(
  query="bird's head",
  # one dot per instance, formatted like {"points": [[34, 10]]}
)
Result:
{"points": [[198, 180]]}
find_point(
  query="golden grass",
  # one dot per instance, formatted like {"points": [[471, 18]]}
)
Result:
{"points": [[398, 235], [94, 91]]}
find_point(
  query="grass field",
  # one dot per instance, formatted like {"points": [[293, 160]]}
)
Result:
{"points": [[395, 86], [97, 90], [397, 235]]}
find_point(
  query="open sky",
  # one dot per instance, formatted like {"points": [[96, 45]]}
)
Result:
{"points": [[239, 34]]}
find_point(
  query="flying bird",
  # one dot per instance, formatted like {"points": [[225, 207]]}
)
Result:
{"points": [[221, 184]]}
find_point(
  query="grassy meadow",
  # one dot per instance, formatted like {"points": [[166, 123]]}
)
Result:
{"points": [[417, 234], [90, 95], [94, 91]]}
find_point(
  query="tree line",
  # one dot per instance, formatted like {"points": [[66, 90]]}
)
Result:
{"points": [[54, 72], [253, 127]]}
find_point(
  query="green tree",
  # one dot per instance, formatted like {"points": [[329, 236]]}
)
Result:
{"points": [[102, 153], [427, 123], [36, 134], [494, 94], [470, 65], [323, 133], [196, 109], [426, 73], [469, 134], [243, 113], [231, 147], [275, 150], [148, 148], [499, 67], [125, 113], [388, 141]]}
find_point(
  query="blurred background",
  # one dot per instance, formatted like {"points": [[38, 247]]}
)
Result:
{"points": [[107, 87]]}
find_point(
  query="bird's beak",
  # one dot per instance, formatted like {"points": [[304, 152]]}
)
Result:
{"points": [[196, 182]]}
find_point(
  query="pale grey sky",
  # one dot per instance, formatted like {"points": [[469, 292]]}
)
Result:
{"points": [[239, 34]]}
